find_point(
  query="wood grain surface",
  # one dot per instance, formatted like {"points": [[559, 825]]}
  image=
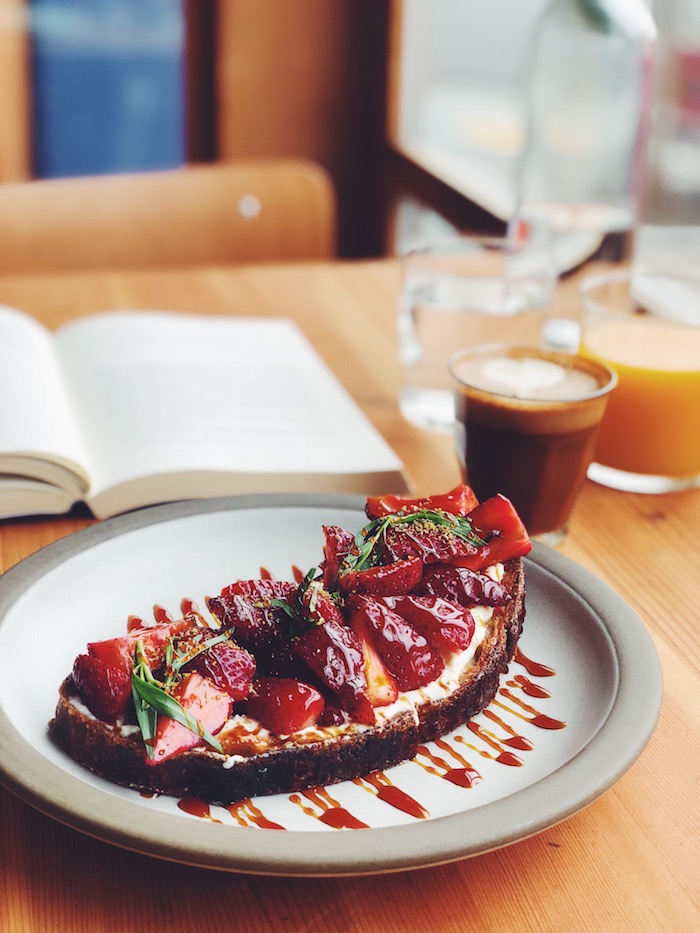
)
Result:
{"points": [[628, 862]]}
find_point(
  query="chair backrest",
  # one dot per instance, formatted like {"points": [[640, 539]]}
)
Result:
{"points": [[224, 212]]}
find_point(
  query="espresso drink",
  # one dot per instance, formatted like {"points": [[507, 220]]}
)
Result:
{"points": [[526, 424]]}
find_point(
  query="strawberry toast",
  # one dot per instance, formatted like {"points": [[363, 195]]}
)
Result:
{"points": [[399, 636]]}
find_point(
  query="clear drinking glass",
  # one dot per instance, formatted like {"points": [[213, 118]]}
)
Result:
{"points": [[459, 292]]}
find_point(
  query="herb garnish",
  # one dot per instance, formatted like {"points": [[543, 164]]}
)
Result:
{"points": [[300, 613], [366, 551], [152, 696]]}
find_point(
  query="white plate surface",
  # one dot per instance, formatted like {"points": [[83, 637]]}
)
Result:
{"points": [[606, 689]]}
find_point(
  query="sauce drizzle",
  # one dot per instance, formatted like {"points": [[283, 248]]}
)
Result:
{"points": [[503, 757], [394, 796], [537, 718], [196, 807], [533, 668], [528, 687], [133, 623], [332, 814], [465, 776], [161, 614], [246, 811]]}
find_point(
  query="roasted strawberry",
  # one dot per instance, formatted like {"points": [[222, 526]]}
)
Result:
{"points": [[261, 589], [257, 624], [426, 540], [284, 705], [412, 660], [338, 545], [496, 520], [119, 652], [335, 655], [229, 667], [384, 580], [333, 715], [381, 685], [459, 501], [446, 625], [104, 690], [206, 704], [461, 585], [318, 604]]}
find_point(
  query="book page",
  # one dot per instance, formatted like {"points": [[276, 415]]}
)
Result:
{"points": [[166, 394], [37, 428]]}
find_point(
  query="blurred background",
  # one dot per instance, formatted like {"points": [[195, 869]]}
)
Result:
{"points": [[415, 108]]}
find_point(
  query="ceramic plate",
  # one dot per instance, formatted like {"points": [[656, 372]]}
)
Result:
{"points": [[574, 711]]}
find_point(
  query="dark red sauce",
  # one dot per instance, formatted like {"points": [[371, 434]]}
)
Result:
{"points": [[196, 807], [528, 687], [394, 796], [533, 667]]}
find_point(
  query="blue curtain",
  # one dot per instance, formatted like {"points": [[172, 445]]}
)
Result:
{"points": [[108, 86]]}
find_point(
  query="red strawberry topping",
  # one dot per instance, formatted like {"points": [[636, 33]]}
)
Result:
{"points": [[407, 654], [104, 690], [229, 667], [256, 624], [284, 705], [381, 685], [461, 585], [119, 652], [201, 700], [335, 655], [447, 626], [338, 545], [458, 501], [385, 580]]}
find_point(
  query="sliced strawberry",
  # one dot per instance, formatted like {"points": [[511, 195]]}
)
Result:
{"points": [[338, 545], [407, 654], [261, 589], [446, 625], [203, 702], [381, 685], [104, 690], [333, 715], [335, 655], [229, 667], [119, 652], [319, 604], [459, 501], [284, 705], [385, 580], [257, 625], [497, 517], [461, 585], [426, 541]]}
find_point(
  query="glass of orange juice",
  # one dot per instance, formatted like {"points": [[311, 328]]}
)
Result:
{"points": [[646, 327]]}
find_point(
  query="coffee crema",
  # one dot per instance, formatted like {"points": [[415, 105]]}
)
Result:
{"points": [[526, 421]]}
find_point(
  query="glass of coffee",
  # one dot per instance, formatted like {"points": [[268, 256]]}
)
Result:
{"points": [[526, 421]]}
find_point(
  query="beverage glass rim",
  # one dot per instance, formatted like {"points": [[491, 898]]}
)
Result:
{"points": [[506, 242], [564, 359], [647, 316]]}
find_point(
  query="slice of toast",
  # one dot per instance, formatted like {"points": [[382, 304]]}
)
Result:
{"points": [[265, 764]]}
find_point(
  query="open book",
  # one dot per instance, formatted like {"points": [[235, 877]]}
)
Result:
{"points": [[126, 409]]}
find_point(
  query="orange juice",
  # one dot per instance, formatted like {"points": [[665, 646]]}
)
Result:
{"points": [[652, 421]]}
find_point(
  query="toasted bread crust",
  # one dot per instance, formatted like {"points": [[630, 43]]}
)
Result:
{"points": [[103, 749]]}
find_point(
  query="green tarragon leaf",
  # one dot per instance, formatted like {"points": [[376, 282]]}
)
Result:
{"points": [[151, 699], [366, 550]]}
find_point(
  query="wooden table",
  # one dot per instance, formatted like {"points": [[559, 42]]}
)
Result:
{"points": [[628, 862]]}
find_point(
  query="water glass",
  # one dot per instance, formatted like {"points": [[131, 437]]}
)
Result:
{"points": [[460, 292]]}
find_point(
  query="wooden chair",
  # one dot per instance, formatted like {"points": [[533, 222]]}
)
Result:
{"points": [[224, 212]]}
